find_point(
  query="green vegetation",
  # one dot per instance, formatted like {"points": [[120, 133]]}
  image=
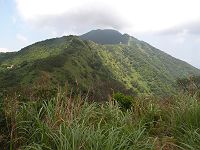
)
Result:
{"points": [[72, 121], [68, 93], [124, 101], [190, 85], [132, 67]]}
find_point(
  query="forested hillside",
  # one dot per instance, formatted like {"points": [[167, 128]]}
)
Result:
{"points": [[132, 66]]}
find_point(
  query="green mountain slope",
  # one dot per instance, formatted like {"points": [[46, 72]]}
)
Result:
{"points": [[131, 65]]}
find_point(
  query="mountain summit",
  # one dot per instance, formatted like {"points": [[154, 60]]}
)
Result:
{"points": [[106, 36]]}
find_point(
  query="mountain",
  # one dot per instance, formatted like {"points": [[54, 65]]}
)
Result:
{"points": [[100, 60]]}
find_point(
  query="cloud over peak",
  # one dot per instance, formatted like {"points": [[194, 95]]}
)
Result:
{"points": [[126, 15]]}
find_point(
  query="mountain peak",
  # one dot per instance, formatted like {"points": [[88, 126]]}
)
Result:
{"points": [[108, 31], [106, 36]]}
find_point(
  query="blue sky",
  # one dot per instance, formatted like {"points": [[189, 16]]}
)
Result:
{"points": [[7, 28], [14, 32], [10, 27], [170, 25]]}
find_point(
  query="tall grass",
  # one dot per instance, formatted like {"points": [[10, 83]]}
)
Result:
{"points": [[186, 122], [68, 122], [63, 123]]}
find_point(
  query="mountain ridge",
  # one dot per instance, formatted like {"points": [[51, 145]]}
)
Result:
{"points": [[133, 66]]}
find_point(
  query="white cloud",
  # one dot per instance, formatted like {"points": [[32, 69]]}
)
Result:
{"points": [[180, 37], [22, 38], [4, 50], [197, 40], [139, 15]]}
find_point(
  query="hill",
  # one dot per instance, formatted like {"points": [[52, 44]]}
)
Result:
{"points": [[4, 56], [100, 60]]}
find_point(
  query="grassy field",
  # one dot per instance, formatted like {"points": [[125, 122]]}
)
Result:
{"points": [[69, 121]]}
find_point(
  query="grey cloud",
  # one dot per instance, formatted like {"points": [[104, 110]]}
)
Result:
{"points": [[82, 20], [191, 28]]}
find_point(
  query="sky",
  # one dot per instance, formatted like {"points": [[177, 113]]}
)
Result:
{"points": [[170, 25]]}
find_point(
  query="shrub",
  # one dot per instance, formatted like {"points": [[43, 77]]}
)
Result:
{"points": [[124, 101]]}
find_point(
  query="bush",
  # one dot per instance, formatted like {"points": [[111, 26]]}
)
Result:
{"points": [[124, 101]]}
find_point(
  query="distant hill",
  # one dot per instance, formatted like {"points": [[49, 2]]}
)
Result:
{"points": [[100, 60], [4, 56]]}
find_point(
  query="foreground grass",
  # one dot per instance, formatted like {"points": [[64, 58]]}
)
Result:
{"points": [[64, 123]]}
